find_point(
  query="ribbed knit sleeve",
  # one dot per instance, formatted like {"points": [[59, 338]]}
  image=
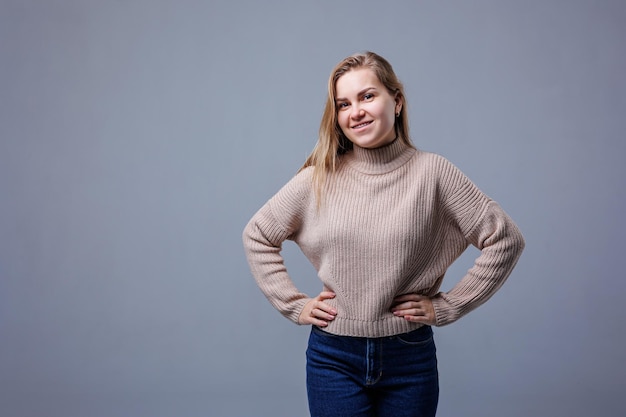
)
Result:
{"points": [[263, 236], [484, 224]]}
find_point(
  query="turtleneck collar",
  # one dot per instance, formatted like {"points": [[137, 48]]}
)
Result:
{"points": [[379, 160]]}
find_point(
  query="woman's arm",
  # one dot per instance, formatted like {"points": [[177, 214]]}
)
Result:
{"points": [[501, 244], [262, 239]]}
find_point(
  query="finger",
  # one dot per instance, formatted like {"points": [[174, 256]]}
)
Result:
{"points": [[422, 315], [409, 312], [325, 295], [318, 318], [317, 312], [318, 322], [321, 305], [314, 321], [408, 305], [405, 306], [423, 307], [324, 311]]}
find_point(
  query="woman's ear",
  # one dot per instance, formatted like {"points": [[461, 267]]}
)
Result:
{"points": [[399, 102]]}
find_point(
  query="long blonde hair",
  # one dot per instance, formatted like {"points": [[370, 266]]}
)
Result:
{"points": [[332, 142]]}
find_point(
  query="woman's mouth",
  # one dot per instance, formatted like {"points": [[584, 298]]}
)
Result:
{"points": [[361, 125]]}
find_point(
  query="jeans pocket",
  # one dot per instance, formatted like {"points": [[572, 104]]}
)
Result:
{"points": [[421, 336], [320, 332]]}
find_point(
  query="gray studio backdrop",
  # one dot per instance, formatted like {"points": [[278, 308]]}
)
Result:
{"points": [[138, 137]]}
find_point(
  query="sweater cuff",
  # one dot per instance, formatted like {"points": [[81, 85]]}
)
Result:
{"points": [[297, 310], [444, 312]]}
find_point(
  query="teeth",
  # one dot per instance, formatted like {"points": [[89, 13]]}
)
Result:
{"points": [[361, 125]]}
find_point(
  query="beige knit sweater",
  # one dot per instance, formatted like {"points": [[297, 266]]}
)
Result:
{"points": [[392, 220]]}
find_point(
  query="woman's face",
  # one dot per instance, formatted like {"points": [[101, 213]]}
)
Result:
{"points": [[366, 112]]}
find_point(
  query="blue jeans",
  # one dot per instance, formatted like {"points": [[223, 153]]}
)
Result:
{"points": [[372, 377]]}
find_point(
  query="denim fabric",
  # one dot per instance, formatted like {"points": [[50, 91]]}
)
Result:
{"points": [[372, 377]]}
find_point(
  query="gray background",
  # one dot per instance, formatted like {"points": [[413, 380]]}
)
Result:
{"points": [[138, 137]]}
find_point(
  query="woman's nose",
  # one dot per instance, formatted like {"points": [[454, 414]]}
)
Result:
{"points": [[357, 112]]}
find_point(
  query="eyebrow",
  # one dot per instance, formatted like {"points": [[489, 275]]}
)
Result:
{"points": [[360, 93]]}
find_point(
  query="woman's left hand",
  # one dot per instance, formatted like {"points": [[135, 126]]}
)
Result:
{"points": [[415, 308]]}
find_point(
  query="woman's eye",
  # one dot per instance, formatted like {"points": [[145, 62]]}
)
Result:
{"points": [[342, 105], [368, 96]]}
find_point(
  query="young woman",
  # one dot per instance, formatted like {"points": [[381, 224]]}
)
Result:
{"points": [[381, 222]]}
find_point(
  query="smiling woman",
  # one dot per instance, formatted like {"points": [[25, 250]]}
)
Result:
{"points": [[381, 222], [367, 111]]}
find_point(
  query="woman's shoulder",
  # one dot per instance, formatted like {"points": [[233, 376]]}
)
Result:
{"points": [[301, 181], [432, 161], [297, 189], [441, 170]]}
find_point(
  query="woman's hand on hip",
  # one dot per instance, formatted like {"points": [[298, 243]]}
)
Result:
{"points": [[317, 312], [415, 308]]}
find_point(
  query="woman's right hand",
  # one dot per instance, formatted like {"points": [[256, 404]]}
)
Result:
{"points": [[317, 312]]}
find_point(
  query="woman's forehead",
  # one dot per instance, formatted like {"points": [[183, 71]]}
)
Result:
{"points": [[355, 81]]}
